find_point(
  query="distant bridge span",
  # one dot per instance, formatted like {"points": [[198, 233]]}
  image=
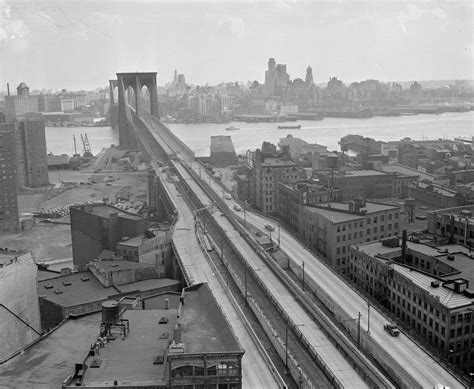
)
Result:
{"points": [[139, 121]]}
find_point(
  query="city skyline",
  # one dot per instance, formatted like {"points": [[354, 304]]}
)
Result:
{"points": [[91, 41]]}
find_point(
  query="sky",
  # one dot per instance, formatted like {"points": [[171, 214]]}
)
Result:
{"points": [[82, 44]]}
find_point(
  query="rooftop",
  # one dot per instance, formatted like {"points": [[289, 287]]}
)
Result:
{"points": [[364, 173], [462, 262], [106, 211], [332, 211], [119, 265], [81, 288], [147, 285], [277, 162], [45, 364]]}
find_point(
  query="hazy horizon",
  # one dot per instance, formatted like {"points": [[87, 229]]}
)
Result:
{"points": [[81, 45]]}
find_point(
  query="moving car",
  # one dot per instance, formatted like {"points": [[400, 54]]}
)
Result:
{"points": [[227, 196], [269, 227], [391, 329], [237, 208]]}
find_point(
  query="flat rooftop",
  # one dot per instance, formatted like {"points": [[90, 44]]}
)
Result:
{"points": [[363, 173], [462, 262], [277, 162], [48, 362], [82, 288], [332, 211], [106, 211], [130, 360], [118, 265]]}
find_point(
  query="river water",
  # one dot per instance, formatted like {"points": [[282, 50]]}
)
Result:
{"points": [[251, 135]]}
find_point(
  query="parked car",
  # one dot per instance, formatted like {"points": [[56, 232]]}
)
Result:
{"points": [[391, 329], [269, 227], [228, 196], [237, 208]]}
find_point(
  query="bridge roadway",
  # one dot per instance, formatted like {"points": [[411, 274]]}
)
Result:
{"points": [[316, 337], [256, 373], [412, 359]]}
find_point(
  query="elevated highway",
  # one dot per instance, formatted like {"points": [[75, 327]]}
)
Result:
{"points": [[403, 361]]}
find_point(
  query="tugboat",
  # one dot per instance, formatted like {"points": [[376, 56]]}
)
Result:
{"points": [[232, 128], [289, 127]]}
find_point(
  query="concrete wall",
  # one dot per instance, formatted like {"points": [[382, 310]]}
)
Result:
{"points": [[19, 294]]}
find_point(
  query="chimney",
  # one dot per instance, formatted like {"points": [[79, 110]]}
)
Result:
{"points": [[8, 88], [177, 333], [404, 245], [167, 303]]}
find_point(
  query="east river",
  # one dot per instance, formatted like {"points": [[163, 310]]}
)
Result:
{"points": [[328, 132]]}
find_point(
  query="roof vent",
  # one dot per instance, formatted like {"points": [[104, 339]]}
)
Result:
{"points": [[164, 335], [85, 278], [450, 257], [48, 286], [66, 283], [58, 291], [434, 284], [158, 360], [163, 320], [114, 265]]}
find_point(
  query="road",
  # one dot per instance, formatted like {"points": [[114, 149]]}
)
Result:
{"points": [[412, 359], [256, 373], [331, 355]]}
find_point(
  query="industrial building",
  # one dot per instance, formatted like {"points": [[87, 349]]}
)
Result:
{"points": [[222, 151], [189, 347], [331, 228], [16, 107], [9, 218], [428, 288], [455, 224], [19, 308], [98, 227], [81, 293]]}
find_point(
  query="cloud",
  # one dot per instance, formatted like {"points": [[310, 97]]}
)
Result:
{"points": [[14, 33]]}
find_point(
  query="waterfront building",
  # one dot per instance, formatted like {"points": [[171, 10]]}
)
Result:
{"points": [[428, 288], [9, 221], [222, 151], [19, 309], [98, 227], [16, 107], [331, 228]]}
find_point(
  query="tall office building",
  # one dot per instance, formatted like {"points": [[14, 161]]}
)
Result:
{"points": [[9, 221], [33, 152], [16, 107]]}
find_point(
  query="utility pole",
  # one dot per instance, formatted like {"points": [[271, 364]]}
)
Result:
{"points": [[278, 234], [245, 278], [286, 348], [222, 248], [245, 217], [303, 276], [358, 330], [368, 317]]}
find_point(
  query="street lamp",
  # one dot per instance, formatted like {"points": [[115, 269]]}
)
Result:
{"points": [[278, 234], [358, 327]]}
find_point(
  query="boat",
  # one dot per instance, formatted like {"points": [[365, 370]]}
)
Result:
{"points": [[232, 128], [289, 127]]}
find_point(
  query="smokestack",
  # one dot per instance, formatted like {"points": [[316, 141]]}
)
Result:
{"points": [[451, 229], [167, 303], [8, 88], [404, 245], [177, 333]]}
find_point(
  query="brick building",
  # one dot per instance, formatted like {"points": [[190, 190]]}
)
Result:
{"points": [[98, 227], [331, 228], [428, 288]]}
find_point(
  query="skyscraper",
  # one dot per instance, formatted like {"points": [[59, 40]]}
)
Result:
{"points": [[9, 221], [309, 76], [33, 143]]}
